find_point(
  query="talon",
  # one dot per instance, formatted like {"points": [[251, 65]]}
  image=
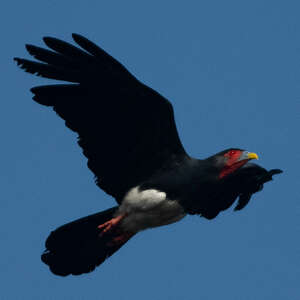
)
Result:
{"points": [[110, 225]]}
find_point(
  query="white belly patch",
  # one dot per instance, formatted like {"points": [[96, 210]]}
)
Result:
{"points": [[148, 208]]}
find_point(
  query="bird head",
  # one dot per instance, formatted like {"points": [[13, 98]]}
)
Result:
{"points": [[232, 159]]}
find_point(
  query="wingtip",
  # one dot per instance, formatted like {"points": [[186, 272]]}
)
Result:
{"points": [[17, 60], [46, 39], [77, 37], [74, 35], [29, 48], [32, 90], [49, 40]]}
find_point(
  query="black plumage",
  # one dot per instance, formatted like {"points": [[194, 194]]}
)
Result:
{"points": [[121, 122], [128, 133], [76, 247]]}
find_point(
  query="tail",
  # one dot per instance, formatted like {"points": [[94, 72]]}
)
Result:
{"points": [[80, 246]]}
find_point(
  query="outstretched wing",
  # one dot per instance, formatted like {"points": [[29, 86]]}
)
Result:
{"points": [[126, 130]]}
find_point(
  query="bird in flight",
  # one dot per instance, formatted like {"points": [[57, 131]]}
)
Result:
{"points": [[128, 133]]}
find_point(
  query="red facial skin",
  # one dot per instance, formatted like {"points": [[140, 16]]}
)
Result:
{"points": [[232, 162]]}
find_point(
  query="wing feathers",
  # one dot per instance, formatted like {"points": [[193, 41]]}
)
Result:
{"points": [[93, 49], [66, 49], [69, 63], [126, 130], [89, 46], [51, 95], [50, 57], [48, 71]]}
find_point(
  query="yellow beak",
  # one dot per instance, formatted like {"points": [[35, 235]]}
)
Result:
{"points": [[252, 155]]}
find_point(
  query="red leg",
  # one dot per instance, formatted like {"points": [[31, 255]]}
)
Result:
{"points": [[111, 224]]}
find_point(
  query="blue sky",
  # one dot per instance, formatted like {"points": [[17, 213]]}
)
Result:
{"points": [[231, 70]]}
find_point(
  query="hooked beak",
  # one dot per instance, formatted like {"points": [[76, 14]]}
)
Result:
{"points": [[248, 155]]}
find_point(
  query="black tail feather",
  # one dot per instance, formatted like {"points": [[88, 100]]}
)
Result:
{"points": [[77, 247]]}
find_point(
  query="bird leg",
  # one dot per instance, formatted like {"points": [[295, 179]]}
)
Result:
{"points": [[111, 224]]}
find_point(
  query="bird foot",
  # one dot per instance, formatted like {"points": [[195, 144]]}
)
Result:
{"points": [[110, 225]]}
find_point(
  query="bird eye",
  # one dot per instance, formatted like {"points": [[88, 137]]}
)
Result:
{"points": [[231, 152]]}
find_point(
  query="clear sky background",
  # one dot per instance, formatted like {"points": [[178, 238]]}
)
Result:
{"points": [[232, 71]]}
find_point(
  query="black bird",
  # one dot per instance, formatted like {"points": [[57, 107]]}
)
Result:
{"points": [[128, 133]]}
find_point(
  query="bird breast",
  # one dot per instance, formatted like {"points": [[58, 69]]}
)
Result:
{"points": [[148, 208]]}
